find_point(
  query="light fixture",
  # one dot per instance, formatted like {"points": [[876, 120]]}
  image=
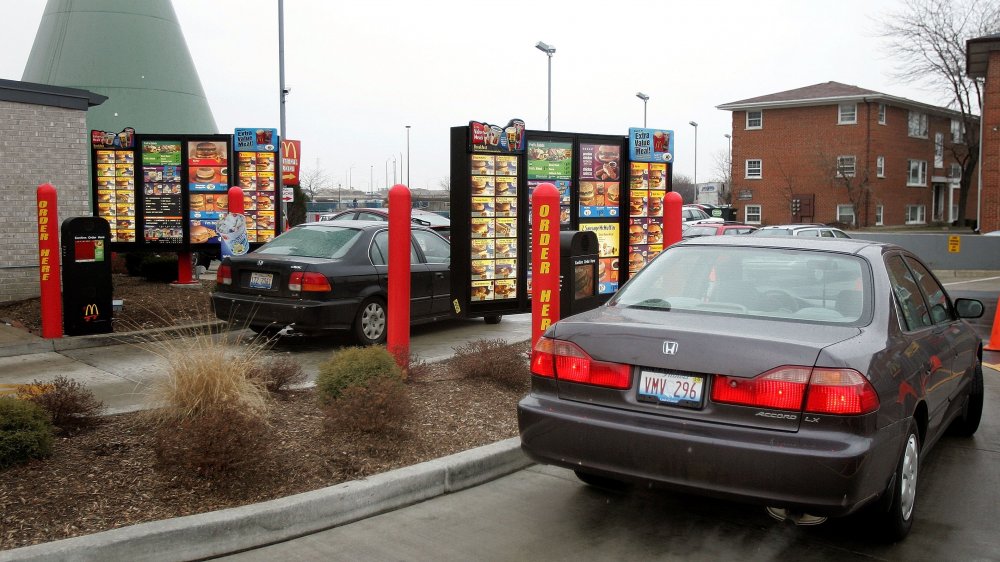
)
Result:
{"points": [[644, 99], [548, 50], [695, 125]]}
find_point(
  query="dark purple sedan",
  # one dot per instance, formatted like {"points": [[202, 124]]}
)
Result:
{"points": [[809, 376]]}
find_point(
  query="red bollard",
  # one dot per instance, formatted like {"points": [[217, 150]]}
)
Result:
{"points": [[398, 330], [236, 200], [673, 206], [544, 259], [49, 267]]}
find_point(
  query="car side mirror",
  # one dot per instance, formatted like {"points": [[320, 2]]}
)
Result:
{"points": [[968, 308]]}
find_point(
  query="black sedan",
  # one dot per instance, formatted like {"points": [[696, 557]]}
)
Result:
{"points": [[809, 376], [332, 276]]}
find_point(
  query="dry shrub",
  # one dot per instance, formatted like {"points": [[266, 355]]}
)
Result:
{"points": [[278, 373], [379, 407], [494, 360], [71, 405], [213, 444], [25, 432]]}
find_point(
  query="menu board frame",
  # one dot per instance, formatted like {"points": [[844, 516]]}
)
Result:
{"points": [[188, 185]]}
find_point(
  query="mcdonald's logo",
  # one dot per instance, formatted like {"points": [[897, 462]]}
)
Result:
{"points": [[90, 312], [290, 149]]}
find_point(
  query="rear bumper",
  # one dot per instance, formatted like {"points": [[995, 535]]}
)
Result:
{"points": [[307, 316], [822, 473]]}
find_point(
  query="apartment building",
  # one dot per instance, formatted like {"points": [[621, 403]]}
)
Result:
{"points": [[833, 152]]}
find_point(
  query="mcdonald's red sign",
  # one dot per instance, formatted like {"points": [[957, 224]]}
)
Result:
{"points": [[290, 160]]}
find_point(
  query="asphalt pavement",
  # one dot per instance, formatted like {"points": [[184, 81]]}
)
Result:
{"points": [[119, 369]]}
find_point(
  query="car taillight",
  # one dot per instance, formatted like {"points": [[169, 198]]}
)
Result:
{"points": [[224, 275], [308, 281], [566, 361], [809, 390]]}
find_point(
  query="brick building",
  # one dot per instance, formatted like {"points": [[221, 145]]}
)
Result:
{"points": [[44, 140], [836, 153], [983, 61]]}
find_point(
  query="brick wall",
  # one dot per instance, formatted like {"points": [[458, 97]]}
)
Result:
{"points": [[799, 147], [38, 144], [990, 216]]}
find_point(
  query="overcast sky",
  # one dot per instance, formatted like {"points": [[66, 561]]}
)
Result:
{"points": [[360, 71]]}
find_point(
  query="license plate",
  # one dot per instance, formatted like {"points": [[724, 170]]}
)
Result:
{"points": [[261, 280], [671, 388]]}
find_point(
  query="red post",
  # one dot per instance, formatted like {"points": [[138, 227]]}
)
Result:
{"points": [[672, 218], [49, 261], [236, 200], [184, 269], [398, 334], [544, 259]]}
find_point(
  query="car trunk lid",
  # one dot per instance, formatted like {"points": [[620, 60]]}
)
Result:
{"points": [[268, 275]]}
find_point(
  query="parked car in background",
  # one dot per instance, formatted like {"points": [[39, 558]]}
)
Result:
{"points": [[434, 221], [815, 230], [807, 375], [716, 229], [332, 276], [692, 213]]}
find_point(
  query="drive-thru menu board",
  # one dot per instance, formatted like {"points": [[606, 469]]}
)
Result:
{"points": [[208, 187], [114, 182], [493, 205], [651, 154], [162, 200], [256, 160]]}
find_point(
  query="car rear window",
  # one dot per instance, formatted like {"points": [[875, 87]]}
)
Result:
{"points": [[701, 231], [797, 285], [773, 232], [312, 242]]}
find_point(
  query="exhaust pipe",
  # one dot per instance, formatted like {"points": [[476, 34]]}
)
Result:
{"points": [[799, 518]]}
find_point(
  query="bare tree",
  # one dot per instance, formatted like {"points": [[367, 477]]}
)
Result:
{"points": [[722, 170], [685, 186], [928, 38], [312, 180], [445, 184], [845, 172]]}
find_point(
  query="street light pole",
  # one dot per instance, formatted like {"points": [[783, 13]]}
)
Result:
{"points": [[644, 99], [408, 157], [695, 125], [548, 50]]}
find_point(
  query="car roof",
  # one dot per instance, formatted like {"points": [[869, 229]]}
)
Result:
{"points": [[361, 224], [796, 226], [847, 245], [419, 214]]}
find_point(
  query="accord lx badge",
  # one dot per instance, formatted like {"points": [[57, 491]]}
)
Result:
{"points": [[669, 348]]}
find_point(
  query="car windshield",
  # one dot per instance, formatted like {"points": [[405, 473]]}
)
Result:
{"points": [[312, 242], [787, 284]]}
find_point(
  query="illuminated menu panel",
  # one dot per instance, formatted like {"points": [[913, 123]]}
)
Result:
{"points": [[208, 188], [494, 213], [116, 192], [256, 176], [163, 220], [648, 184]]}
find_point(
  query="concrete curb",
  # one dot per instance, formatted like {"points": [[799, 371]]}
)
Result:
{"points": [[102, 340], [233, 530]]}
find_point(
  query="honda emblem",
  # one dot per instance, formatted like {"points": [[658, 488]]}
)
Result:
{"points": [[670, 348], [260, 263]]}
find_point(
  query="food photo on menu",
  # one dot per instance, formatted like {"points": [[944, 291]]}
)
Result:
{"points": [[207, 153]]}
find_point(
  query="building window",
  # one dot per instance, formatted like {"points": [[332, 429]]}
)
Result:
{"points": [[848, 114], [955, 171], [956, 132], [917, 125], [881, 114], [755, 119], [939, 150], [845, 214], [880, 166], [754, 169], [915, 214], [751, 214], [846, 166], [879, 221], [918, 173]]}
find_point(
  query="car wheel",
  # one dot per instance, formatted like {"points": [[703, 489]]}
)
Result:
{"points": [[602, 482], [893, 514], [370, 324], [493, 318], [967, 423]]}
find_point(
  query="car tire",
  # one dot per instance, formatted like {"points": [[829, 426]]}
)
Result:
{"points": [[493, 318], [892, 515], [967, 423], [371, 322], [602, 482]]}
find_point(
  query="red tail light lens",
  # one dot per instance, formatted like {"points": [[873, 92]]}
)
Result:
{"points": [[566, 361], [840, 391], [309, 281], [803, 389], [224, 275], [781, 389]]}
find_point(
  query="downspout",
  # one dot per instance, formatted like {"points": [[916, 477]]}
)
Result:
{"points": [[979, 176], [868, 152]]}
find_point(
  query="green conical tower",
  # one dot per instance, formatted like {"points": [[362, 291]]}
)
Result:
{"points": [[131, 51]]}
